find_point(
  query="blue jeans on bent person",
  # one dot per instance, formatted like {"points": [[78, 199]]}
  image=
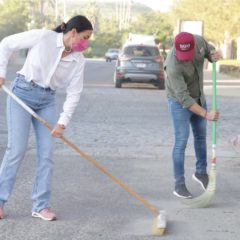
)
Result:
{"points": [[42, 101], [182, 119]]}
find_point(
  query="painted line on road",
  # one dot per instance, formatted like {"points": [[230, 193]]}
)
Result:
{"points": [[111, 86], [95, 59], [223, 81], [223, 86], [98, 85]]}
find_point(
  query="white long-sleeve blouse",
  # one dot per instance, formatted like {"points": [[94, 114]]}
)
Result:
{"points": [[45, 66]]}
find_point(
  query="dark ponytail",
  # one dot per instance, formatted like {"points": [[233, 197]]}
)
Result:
{"points": [[80, 23]]}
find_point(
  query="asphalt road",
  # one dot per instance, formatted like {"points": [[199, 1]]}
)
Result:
{"points": [[128, 131]]}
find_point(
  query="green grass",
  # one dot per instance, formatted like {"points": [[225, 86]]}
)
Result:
{"points": [[234, 74], [229, 62], [232, 71]]}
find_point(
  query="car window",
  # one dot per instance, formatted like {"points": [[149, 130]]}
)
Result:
{"points": [[141, 51], [113, 50]]}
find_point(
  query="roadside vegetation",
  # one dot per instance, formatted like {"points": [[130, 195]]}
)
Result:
{"points": [[113, 20], [230, 62], [230, 67]]}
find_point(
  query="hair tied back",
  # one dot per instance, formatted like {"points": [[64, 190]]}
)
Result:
{"points": [[63, 26]]}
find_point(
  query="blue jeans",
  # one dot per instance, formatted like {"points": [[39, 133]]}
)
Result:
{"points": [[42, 101], [182, 119]]}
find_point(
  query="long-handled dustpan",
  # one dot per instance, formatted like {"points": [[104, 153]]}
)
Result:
{"points": [[206, 198], [159, 223]]}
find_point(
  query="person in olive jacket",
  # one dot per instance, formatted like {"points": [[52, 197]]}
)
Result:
{"points": [[187, 104]]}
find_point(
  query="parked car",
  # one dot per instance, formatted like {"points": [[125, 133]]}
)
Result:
{"points": [[141, 64], [112, 54]]}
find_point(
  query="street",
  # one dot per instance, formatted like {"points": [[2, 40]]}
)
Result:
{"points": [[129, 132]]}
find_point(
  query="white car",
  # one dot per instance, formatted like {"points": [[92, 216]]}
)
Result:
{"points": [[112, 54]]}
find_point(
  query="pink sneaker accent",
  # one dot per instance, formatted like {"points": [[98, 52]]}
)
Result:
{"points": [[1, 213], [45, 214]]}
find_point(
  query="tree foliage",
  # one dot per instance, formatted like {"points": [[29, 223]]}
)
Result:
{"points": [[220, 17], [93, 14], [153, 23], [13, 17], [106, 37], [42, 13]]}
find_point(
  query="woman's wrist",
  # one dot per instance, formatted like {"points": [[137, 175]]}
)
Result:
{"points": [[2, 81], [62, 126]]}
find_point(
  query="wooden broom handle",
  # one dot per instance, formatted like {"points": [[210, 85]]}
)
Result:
{"points": [[152, 208]]}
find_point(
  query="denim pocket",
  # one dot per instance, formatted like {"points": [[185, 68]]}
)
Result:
{"points": [[23, 84]]}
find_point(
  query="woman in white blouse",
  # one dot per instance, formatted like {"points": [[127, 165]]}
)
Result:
{"points": [[54, 60]]}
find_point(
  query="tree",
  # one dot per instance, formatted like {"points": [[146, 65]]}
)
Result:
{"points": [[123, 13], [93, 14], [108, 36], [219, 17], [42, 13], [153, 23], [13, 17]]}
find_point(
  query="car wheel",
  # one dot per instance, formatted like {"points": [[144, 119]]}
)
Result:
{"points": [[117, 81]]}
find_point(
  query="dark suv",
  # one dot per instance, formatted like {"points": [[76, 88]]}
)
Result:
{"points": [[141, 64]]}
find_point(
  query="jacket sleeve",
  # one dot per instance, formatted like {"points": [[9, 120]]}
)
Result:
{"points": [[208, 48], [177, 84]]}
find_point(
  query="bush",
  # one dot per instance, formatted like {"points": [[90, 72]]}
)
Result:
{"points": [[230, 67], [229, 62]]}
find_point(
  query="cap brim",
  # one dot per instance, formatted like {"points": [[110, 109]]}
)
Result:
{"points": [[185, 56]]}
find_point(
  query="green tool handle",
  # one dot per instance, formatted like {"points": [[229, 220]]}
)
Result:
{"points": [[214, 102]]}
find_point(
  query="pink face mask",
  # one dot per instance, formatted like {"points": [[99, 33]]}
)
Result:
{"points": [[80, 46]]}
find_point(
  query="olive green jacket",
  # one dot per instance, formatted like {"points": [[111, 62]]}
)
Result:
{"points": [[184, 81]]}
